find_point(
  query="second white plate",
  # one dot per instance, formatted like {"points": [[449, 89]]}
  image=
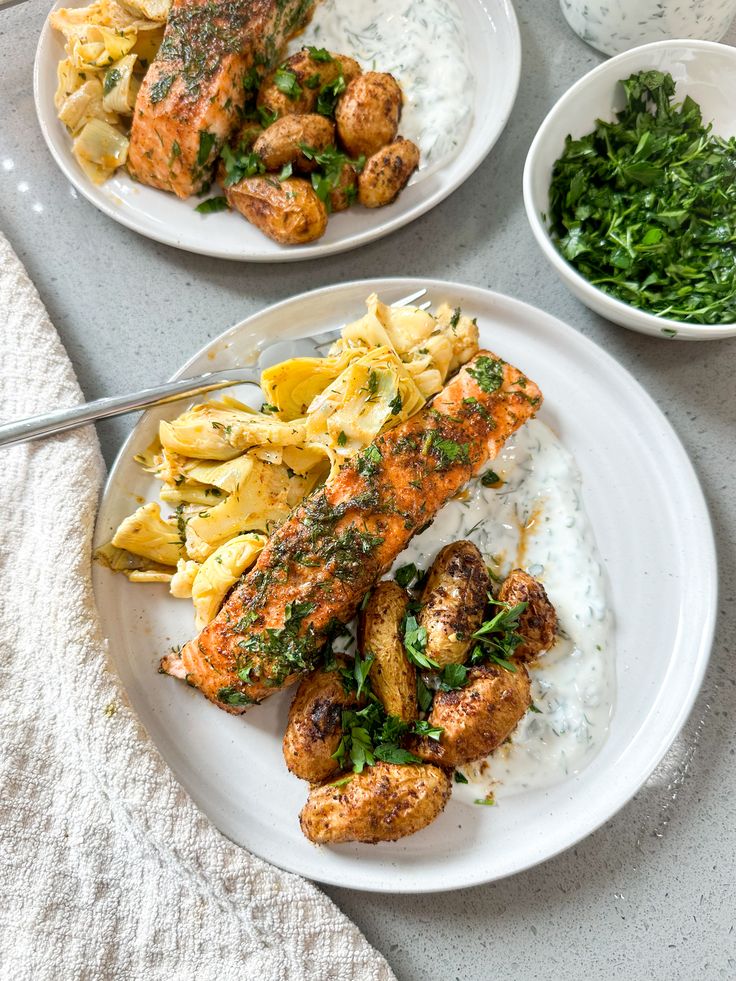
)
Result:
{"points": [[495, 64], [638, 484]]}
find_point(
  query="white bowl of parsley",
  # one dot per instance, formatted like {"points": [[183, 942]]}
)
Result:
{"points": [[630, 189]]}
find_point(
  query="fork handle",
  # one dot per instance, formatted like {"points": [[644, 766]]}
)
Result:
{"points": [[117, 405]]}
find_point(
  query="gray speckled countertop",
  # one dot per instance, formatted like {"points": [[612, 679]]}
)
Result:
{"points": [[650, 895]]}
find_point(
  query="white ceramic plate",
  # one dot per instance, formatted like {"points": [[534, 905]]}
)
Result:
{"points": [[701, 69], [654, 534], [495, 63]]}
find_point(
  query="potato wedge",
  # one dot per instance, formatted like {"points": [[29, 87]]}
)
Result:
{"points": [[314, 729], [383, 803], [287, 211], [386, 173], [368, 113], [392, 675], [476, 719], [307, 76], [280, 143], [453, 601], [538, 622]]}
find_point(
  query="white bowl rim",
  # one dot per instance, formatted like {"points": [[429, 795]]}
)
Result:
{"points": [[657, 326]]}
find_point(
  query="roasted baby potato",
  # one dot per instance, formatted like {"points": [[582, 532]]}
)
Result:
{"points": [[280, 143], [386, 173], [314, 729], [453, 602], [538, 622], [303, 77], [383, 803], [345, 190], [367, 115], [287, 211], [392, 675], [476, 719]]}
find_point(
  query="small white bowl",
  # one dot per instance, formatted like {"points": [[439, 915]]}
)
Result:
{"points": [[702, 69]]}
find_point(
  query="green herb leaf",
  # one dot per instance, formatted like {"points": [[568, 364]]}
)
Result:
{"points": [[406, 574], [328, 96], [160, 88], [415, 643], [231, 696], [112, 77], [453, 676], [460, 777], [424, 695], [422, 728], [318, 54], [206, 143], [489, 478], [285, 81], [211, 205], [239, 165], [488, 373]]}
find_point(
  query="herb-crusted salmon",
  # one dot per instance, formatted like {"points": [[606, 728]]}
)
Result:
{"points": [[315, 570], [190, 101]]}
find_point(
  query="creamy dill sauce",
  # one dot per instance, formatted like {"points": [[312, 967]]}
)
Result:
{"points": [[536, 521], [423, 44]]}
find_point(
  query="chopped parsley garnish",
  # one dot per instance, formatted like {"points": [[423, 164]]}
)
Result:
{"points": [[285, 81], [489, 478], [286, 171], [112, 77], [406, 574], [453, 676], [240, 165], [367, 462], [231, 696], [211, 205], [396, 404], [341, 438], [644, 207], [160, 88], [424, 695], [497, 638], [488, 373], [206, 143], [415, 643], [252, 79], [370, 734], [488, 801], [318, 54], [459, 777], [446, 451], [455, 319], [329, 94]]}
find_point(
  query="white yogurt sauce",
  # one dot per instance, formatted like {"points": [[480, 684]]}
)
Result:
{"points": [[613, 26], [423, 44], [536, 521]]}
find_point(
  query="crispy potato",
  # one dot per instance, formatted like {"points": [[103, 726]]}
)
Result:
{"points": [[453, 602], [287, 211], [392, 675], [314, 729], [345, 190], [280, 143], [383, 803], [538, 622], [477, 718], [367, 114], [310, 77], [387, 172]]}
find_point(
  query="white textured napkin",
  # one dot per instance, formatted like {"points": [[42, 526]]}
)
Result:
{"points": [[107, 869]]}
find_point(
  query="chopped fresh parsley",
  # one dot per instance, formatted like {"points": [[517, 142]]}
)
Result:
{"points": [[644, 206], [497, 638], [112, 77], [318, 54], [460, 777], [455, 319], [239, 165], [329, 94], [366, 463], [489, 478], [160, 88], [341, 438], [285, 81], [453, 676], [406, 574], [211, 205], [424, 695], [487, 372], [231, 696], [206, 143], [396, 404], [415, 643]]}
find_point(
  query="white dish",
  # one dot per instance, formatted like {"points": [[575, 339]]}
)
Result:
{"points": [[702, 69], [495, 60], [638, 483]]}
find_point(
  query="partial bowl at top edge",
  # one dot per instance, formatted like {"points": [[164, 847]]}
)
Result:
{"points": [[704, 70]]}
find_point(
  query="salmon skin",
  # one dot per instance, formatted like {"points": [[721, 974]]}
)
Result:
{"points": [[316, 568], [192, 97]]}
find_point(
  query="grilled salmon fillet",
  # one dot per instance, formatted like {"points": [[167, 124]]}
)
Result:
{"points": [[190, 100], [316, 568]]}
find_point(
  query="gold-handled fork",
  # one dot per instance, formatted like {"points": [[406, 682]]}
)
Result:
{"points": [[268, 354]]}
